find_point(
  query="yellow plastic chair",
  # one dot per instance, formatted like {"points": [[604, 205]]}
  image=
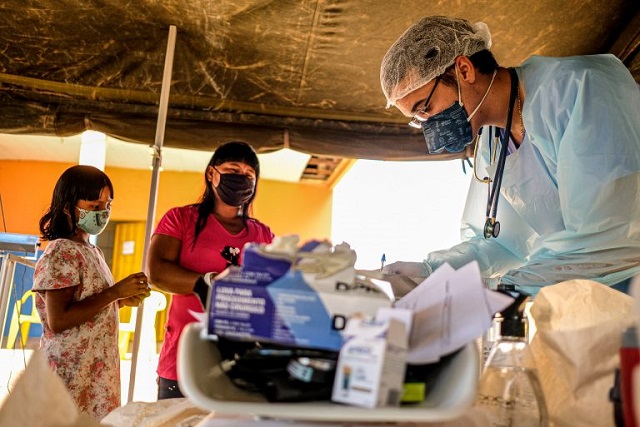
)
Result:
{"points": [[156, 302], [22, 321]]}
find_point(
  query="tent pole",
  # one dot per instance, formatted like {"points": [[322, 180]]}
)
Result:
{"points": [[153, 194]]}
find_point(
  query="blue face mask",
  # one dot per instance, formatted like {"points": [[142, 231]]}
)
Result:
{"points": [[450, 129]]}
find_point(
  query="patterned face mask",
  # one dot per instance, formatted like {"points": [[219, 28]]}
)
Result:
{"points": [[450, 129], [93, 222]]}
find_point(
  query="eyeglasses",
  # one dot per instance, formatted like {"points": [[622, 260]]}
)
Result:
{"points": [[417, 120]]}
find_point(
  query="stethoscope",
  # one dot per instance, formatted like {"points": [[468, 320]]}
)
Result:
{"points": [[492, 225]]}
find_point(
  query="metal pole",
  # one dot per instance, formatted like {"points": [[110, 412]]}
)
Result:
{"points": [[153, 192], [5, 290]]}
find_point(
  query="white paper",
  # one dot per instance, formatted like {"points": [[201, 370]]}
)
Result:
{"points": [[200, 317], [451, 308], [403, 315]]}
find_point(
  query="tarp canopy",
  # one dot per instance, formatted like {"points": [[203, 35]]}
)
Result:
{"points": [[255, 70]]}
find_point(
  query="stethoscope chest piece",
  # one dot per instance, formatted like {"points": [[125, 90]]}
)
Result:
{"points": [[491, 225], [491, 228]]}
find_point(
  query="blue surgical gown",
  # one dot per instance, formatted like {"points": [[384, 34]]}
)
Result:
{"points": [[569, 204]]}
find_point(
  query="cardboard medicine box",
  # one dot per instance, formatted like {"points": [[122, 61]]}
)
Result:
{"points": [[372, 363], [290, 307]]}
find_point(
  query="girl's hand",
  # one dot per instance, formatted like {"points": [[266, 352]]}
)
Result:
{"points": [[136, 284], [135, 300], [64, 312]]}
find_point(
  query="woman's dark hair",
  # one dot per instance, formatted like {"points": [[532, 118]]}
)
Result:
{"points": [[76, 183], [234, 151], [483, 60]]}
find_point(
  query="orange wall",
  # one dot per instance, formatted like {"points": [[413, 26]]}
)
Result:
{"points": [[288, 208]]}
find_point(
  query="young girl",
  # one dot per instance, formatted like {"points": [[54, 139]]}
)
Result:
{"points": [[204, 237], [76, 297]]}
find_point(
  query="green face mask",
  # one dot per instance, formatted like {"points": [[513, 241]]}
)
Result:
{"points": [[93, 222]]}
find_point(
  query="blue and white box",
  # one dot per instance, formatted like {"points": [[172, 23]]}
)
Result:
{"points": [[372, 363], [302, 299]]}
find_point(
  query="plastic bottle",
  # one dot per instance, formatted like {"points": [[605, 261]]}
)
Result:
{"points": [[490, 338], [491, 335], [629, 360], [509, 391]]}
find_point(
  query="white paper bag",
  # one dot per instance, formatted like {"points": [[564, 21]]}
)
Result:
{"points": [[576, 348], [41, 399]]}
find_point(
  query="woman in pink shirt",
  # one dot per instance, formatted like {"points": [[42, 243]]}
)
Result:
{"points": [[204, 237]]}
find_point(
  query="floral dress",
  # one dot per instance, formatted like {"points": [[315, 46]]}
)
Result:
{"points": [[85, 356]]}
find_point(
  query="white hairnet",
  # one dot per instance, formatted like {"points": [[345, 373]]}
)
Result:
{"points": [[425, 51]]}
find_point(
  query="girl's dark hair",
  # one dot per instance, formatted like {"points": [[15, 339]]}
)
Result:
{"points": [[483, 60], [76, 183], [234, 151]]}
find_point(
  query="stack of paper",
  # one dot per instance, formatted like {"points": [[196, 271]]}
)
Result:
{"points": [[450, 309]]}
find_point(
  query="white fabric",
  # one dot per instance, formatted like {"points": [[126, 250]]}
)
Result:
{"points": [[569, 206], [183, 413], [163, 413]]}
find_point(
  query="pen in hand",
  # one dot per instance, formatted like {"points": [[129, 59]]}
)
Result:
{"points": [[382, 261]]}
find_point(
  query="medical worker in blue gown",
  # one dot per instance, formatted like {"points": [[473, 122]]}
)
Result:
{"points": [[569, 191]]}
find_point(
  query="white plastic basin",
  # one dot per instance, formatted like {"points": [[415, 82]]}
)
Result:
{"points": [[202, 381]]}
